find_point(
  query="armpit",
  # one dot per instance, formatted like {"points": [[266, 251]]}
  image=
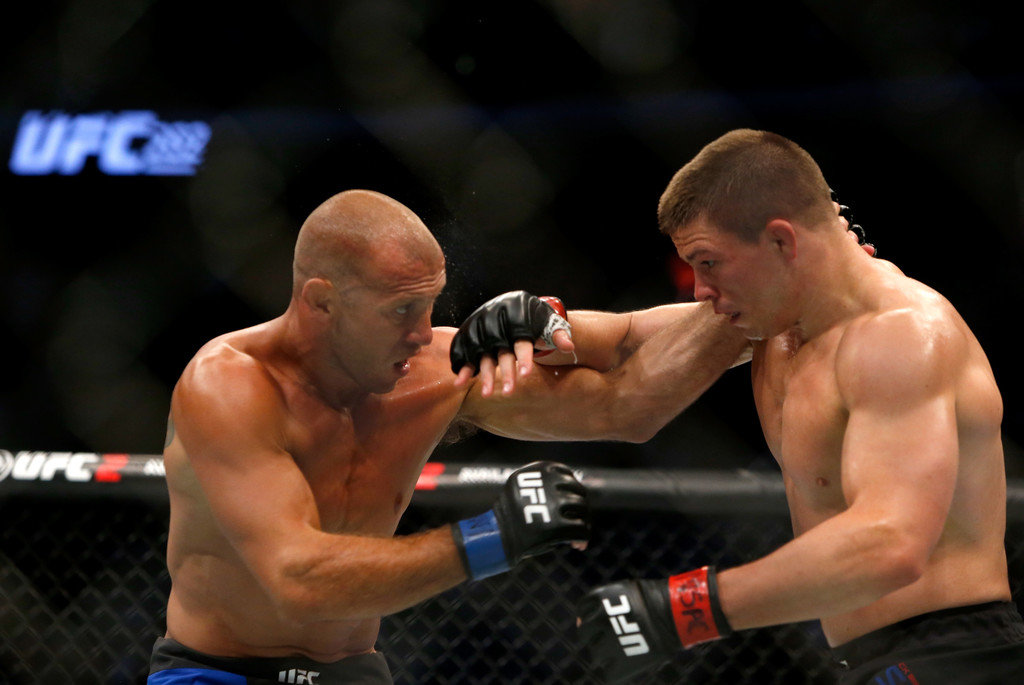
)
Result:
{"points": [[457, 431]]}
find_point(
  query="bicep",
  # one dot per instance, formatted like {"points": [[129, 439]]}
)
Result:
{"points": [[255, 492], [904, 460], [900, 451]]}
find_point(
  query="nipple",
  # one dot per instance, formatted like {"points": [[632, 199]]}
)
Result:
{"points": [[822, 481]]}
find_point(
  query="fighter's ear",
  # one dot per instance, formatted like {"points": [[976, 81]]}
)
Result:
{"points": [[781, 236], [316, 294]]}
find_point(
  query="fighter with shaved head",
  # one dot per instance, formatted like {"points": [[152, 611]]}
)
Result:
{"points": [[294, 446]]}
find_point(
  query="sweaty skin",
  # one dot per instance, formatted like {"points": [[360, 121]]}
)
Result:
{"points": [[882, 410], [294, 446]]}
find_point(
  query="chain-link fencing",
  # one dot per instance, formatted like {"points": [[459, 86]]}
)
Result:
{"points": [[83, 586]]}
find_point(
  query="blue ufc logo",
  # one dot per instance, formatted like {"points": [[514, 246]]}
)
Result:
{"points": [[130, 143]]}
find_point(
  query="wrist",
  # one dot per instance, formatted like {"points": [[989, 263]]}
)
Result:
{"points": [[480, 546], [696, 609]]}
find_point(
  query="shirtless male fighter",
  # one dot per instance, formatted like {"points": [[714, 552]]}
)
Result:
{"points": [[881, 409], [294, 446]]}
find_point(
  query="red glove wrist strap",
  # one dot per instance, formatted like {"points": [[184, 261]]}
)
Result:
{"points": [[556, 304], [693, 598]]}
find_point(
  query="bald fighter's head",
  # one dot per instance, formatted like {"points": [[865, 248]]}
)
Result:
{"points": [[360, 235]]}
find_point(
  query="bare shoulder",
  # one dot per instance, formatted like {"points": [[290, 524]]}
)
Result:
{"points": [[442, 341], [434, 357], [226, 383], [913, 341]]}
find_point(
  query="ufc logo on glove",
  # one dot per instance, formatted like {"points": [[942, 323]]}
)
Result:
{"points": [[531, 488], [632, 640]]}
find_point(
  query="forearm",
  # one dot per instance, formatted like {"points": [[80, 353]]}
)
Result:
{"points": [[843, 564], [599, 340], [674, 366], [665, 374], [605, 340], [347, 577]]}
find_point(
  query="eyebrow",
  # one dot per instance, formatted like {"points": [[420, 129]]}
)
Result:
{"points": [[696, 253]]}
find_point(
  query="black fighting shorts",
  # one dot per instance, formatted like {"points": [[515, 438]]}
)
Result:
{"points": [[175, 664], [981, 644]]}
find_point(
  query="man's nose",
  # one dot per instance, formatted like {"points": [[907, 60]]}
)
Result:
{"points": [[423, 332], [701, 290]]}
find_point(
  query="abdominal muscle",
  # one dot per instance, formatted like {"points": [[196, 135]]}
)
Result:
{"points": [[216, 607]]}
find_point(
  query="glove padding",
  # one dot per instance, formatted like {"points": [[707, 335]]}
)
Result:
{"points": [[498, 323], [626, 629], [541, 505], [650, 619]]}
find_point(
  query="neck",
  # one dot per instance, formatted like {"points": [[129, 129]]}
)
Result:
{"points": [[833, 286], [310, 365]]}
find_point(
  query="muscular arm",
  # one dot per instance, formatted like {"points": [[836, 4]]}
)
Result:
{"points": [[899, 470], [229, 418], [604, 340], [678, 351]]}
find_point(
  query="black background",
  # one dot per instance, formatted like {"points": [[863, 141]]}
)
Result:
{"points": [[533, 137]]}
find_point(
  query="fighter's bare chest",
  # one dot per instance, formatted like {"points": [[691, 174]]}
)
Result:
{"points": [[362, 466], [801, 412]]}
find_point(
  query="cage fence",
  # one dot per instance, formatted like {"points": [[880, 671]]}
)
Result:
{"points": [[83, 585]]}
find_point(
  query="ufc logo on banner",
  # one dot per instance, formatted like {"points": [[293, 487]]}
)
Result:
{"points": [[531, 488], [632, 640]]}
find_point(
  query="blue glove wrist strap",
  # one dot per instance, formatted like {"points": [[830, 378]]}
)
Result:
{"points": [[481, 545]]}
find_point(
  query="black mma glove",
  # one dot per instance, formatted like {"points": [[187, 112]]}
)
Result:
{"points": [[629, 627], [498, 323], [541, 505]]}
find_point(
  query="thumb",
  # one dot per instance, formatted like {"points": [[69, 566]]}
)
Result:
{"points": [[563, 340]]}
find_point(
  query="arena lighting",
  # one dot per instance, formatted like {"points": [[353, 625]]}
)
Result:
{"points": [[128, 143]]}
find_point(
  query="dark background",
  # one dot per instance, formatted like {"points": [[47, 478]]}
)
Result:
{"points": [[533, 137]]}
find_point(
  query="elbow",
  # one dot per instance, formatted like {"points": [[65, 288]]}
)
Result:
{"points": [[899, 569], [299, 594], [630, 427], [638, 432], [298, 602], [899, 561], [291, 587], [294, 603]]}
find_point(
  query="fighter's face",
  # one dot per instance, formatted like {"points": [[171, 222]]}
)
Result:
{"points": [[742, 280], [385, 322]]}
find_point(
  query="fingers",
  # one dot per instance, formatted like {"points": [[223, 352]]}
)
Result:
{"points": [[507, 365], [524, 356], [486, 376], [465, 373], [573, 486], [491, 371], [563, 340], [510, 364]]}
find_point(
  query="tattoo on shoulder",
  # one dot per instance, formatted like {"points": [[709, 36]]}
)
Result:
{"points": [[170, 432]]}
